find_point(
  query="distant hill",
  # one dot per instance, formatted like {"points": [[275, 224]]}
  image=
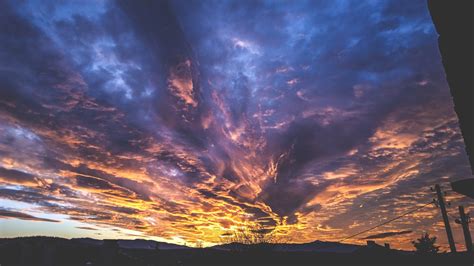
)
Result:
{"points": [[88, 251], [133, 243], [316, 246]]}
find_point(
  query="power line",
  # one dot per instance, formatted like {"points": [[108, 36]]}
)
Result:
{"points": [[372, 207], [452, 216], [393, 219], [389, 221]]}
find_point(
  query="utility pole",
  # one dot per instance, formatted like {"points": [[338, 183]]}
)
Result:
{"points": [[442, 206], [465, 228]]}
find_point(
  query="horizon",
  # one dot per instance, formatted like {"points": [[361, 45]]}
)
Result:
{"points": [[192, 245], [186, 121]]}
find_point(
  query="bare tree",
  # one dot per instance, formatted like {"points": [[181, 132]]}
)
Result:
{"points": [[199, 244], [254, 237]]}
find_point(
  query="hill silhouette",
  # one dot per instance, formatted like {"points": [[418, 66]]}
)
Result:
{"points": [[87, 251]]}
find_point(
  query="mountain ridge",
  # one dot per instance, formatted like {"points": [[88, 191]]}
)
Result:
{"points": [[314, 246]]}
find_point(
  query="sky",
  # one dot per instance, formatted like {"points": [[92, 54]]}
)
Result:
{"points": [[185, 121]]}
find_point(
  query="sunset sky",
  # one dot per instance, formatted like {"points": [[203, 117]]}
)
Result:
{"points": [[184, 122]]}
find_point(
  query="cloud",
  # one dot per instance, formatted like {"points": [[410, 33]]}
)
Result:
{"points": [[14, 176], [93, 183], [6, 214], [86, 228], [190, 118], [387, 234]]}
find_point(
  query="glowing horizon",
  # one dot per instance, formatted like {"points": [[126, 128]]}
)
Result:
{"points": [[183, 122]]}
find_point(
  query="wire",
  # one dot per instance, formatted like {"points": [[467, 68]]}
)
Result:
{"points": [[373, 207], [389, 221], [395, 218], [452, 216]]}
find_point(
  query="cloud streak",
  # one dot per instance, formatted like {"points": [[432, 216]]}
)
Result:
{"points": [[387, 234], [23, 216]]}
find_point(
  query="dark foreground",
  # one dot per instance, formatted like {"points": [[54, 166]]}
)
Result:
{"points": [[57, 251]]}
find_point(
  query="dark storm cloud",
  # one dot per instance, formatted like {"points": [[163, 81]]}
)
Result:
{"points": [[27, 195], [359, 66], [58, 88], [15, 176], [23, 216]]}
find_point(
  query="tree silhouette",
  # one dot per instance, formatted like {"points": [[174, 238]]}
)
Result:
{"points": [[252, 235], [199, 244], [426, 244]]}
